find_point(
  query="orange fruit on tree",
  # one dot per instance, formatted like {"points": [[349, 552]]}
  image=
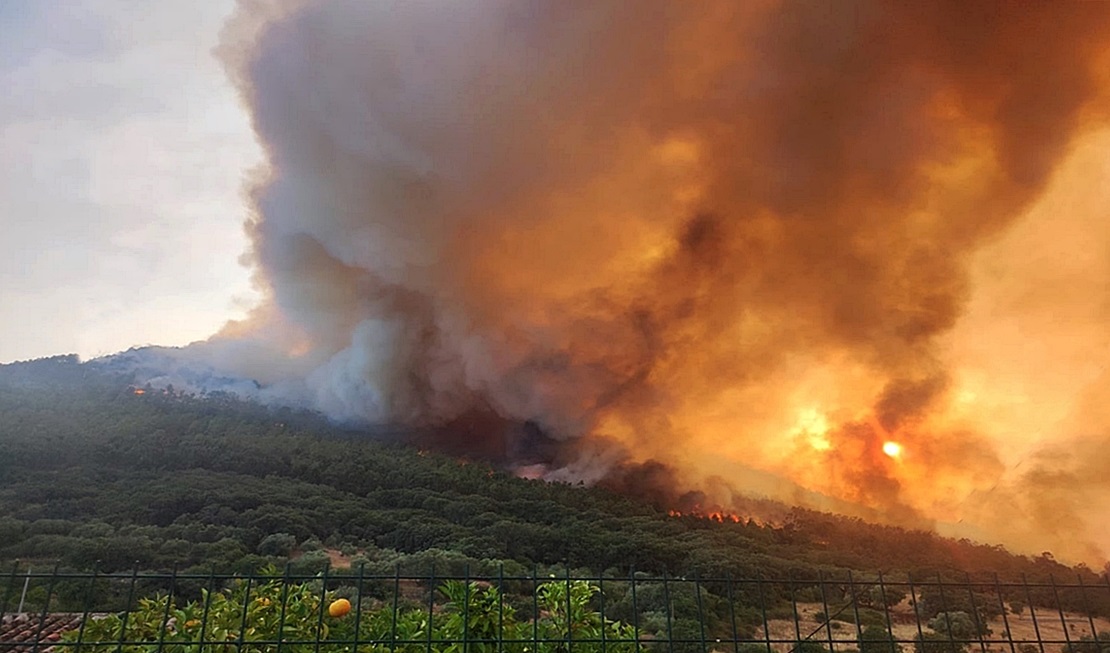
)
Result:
{"points": [[339, 607]]}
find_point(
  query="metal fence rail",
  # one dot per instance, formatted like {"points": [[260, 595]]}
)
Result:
{"points": [[354, 610]]}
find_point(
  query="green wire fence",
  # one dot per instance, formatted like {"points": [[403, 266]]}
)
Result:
{"points": [[353, 611]]}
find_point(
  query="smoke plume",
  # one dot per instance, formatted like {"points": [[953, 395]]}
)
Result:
{"points": [[770, 244]]}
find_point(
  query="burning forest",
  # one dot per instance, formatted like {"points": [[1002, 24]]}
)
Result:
{"points": [[853, 256]]}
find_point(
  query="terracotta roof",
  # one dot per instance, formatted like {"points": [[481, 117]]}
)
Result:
{"points": [[18, 632]]}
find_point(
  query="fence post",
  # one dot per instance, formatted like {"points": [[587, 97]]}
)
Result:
{"points": [[601, 599], [23, 596], [732, 613], [166, 612], [1060, 611], [916, 610], [668, 611], [947, 617], [794, 612], [886, 613], [855, 605], [323, 604], [1032, 613], [825, 605], [8, 590], [466, 609], [570, 636], [45, 608], [501, 607], [127, 609], [1005, 619], [358, 604], [246, 606], [763, 609], [396, 600], [88, 604], [535, 610], [431, 604], [701, 612], [1087, 607], [635, 609], [979, 628], [285, 580]]}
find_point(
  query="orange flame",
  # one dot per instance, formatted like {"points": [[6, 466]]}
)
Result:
{"points": [[718, 516]]}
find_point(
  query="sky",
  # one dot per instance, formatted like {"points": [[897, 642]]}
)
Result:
{"points": [[123, 151]]}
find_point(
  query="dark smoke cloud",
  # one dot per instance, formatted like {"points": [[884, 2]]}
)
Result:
{"points": [[650, 223]]}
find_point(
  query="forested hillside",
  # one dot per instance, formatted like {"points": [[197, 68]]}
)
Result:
{"points": [[92, 473]]}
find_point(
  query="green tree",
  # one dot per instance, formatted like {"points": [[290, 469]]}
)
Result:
{"points": [[310, 563], [958, 626], [1088, 644], [886, 596], [810, 646], [937, 643], [277, 544], [876, 639]]}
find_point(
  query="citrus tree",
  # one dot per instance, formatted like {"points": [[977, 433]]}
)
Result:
{"points": [[260, 617]]}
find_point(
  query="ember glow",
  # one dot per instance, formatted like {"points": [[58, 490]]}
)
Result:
{"points": [[713, 515], [771, 245]]}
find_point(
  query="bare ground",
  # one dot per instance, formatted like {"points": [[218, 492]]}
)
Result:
{"points": [[1048, 624]]}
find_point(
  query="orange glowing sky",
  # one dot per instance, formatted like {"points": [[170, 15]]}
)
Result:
{"points": [[758, 242], [1029, 362]]}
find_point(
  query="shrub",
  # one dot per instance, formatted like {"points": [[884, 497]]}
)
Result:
{"points": [[1088, 644], [810, 646], [277, 544], [310, 563], [875, 639], [957, 625], [937, 643]]}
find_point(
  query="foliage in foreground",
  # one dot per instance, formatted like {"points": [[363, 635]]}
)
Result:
{"points": [[254, 618]]}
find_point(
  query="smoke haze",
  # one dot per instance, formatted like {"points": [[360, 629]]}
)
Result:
{"points": [[753, 241]]}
